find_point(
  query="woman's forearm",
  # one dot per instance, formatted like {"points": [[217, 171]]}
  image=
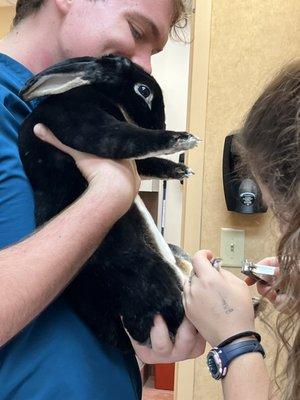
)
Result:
{"points": [[246, 379], [34, 271]]}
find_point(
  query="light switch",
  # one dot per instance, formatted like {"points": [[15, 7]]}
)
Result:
{"points": [[232, 247]]}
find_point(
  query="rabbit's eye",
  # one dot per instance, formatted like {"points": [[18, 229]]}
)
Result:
{"points": [[143, 91]]}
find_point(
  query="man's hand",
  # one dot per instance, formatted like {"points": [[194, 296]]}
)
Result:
{"points": [[119, 179], [188, 343]]}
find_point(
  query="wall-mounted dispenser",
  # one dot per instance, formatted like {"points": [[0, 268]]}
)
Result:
{"points": [[242, 194]]}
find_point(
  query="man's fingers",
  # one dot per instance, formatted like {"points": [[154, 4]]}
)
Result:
{"points": [[186, 331], [186, 338], [43, 133], [46, 135], [159, 335], [189, 343], [134, 167], [142, 351], [199, 347]]}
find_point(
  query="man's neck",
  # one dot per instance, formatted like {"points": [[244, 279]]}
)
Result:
{"points": [[33, 43]]}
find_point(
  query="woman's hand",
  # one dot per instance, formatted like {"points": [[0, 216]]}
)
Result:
{"points": [[188, 344], [217, 302], [119, 179], [277, 299]]}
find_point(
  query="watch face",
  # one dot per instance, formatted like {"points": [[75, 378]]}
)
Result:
{"points": [[214, 364]]}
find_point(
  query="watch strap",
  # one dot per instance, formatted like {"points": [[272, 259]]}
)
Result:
{"points": [[228, 353], [232, 350]]}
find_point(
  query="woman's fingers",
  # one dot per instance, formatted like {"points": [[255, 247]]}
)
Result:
{"points": [[250, 281], [272, 261], [201, 263], [265, 291]]}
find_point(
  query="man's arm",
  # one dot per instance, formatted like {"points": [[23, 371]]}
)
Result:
{"points": [[34, 271]]}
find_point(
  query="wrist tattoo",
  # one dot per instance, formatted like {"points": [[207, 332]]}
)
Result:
{"points": [[226, 307]]}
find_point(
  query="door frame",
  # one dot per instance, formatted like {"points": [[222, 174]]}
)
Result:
{"points": [[192, 199]]}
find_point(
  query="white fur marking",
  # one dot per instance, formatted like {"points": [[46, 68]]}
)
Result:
{"points": [[162, 246], [186, 144], [126, 115]]}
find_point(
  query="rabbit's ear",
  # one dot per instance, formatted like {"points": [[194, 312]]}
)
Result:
{"points": [[60, 78]]}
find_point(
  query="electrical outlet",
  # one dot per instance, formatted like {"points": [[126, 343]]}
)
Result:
{"points": [[232, 247]]}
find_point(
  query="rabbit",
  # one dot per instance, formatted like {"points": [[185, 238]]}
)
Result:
{"points": [[112, 108]]}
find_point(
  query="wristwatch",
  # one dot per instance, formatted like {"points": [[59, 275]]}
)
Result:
{"points": [[219, 358]]}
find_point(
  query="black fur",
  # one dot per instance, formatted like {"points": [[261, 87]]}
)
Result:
{"points": [[127, 275]]}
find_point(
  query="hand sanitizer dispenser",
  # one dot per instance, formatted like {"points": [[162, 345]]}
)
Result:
{"points": [[242, 194]]}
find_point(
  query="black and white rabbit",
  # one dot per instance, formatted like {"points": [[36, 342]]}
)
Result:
{"points": [[112, 108]]}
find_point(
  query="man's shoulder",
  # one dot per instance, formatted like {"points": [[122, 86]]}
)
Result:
{"points": [[12, 71], [10, 86], [13, 76], [11, 105]]}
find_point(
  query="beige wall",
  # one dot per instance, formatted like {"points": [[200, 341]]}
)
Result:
{"points": [[6, 17], [237, 48], [249, 41]]}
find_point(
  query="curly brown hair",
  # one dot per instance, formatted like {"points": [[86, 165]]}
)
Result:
{"points": [[269, 142], [182, 9]]}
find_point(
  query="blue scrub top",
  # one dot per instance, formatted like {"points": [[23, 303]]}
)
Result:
{"points": [[56, 356]]}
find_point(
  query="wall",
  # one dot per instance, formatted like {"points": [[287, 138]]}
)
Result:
{"points": [[250, 40], [6, 17], [238, 46], [168, 66]]}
